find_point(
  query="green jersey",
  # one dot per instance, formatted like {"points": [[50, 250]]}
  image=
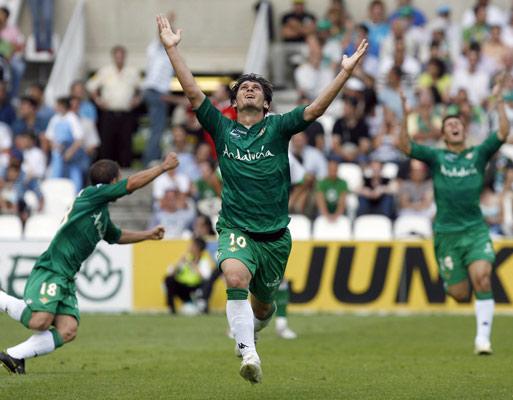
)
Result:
{"points": [[458, 181], [255, 167], [84, 226], [331, 190]]}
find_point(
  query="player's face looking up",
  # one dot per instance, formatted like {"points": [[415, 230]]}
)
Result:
{"points": [[250, 95], [453, 130]]}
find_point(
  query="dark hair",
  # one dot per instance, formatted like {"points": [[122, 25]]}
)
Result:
{"points": [[450, 116], [30, 100], [64, 101], [208, 223], [397, 71], [376, 3], [38, 85], [267, 87], [6, 11], [200, 243], [440, 65], [364, 28], [103, 171]]}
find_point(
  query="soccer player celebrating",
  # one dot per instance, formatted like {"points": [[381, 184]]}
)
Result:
{"points": [[49, 304], [463, 247], [254, 242]]}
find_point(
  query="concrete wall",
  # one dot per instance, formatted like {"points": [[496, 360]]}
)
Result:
{"points": [[216, 32]]}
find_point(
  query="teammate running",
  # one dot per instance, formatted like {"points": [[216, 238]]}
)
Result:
{"points": [[463, 247], [254, 242], [49, 304]]}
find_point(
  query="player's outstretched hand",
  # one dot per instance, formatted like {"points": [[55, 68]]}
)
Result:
{"points": [[157, 233], [167, 36], [403, 102], [499, 85], [349, 63], [170, 162]]}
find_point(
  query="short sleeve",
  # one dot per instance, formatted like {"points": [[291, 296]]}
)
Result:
{"points": [[105, 193], [293, 122], [423, 153], [210, 118], [112, 233], [490, 146]]}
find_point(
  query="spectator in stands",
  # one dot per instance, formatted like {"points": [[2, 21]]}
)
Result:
{"points": [[418, 16], [170, 181], [296, 25], [351, 139], [437, 80], [34, 159], [474, 117], [416, 193], [175, 212], [452, 30], [209, 185], [87, 109], [156, 85], [494, 15], [425, 122], [42, 23], [7, 111], [473, 80], [490, 204], [195, 132], [409, 65], [507, 30], [12, 44], [5, 146], [114, 89], [66, 137], [375, 197], [477, 32], [389, 95], [184, 151], [188, 275], [384, 143], [90, 140], [377, 25], [37, 92], [331, 193], [494, 48]]}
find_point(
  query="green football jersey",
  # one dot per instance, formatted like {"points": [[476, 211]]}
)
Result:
{"points": [[332, 189], [255, 167], [86, 223], [458, 181]]}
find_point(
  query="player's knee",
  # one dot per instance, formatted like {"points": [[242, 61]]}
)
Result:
{"points": [[236, 281], [40, 322], [459, 295], [68, 333], [483, 283]]}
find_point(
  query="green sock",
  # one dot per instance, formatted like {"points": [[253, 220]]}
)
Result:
{"points": [[282, 300], [484, 295], [26, 315], [236, 294], [57, 338]]}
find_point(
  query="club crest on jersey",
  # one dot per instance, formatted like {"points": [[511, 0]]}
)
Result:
{"points": [[233, 249], [237, 133], [450, 157], [44, 300], [469, 156]]}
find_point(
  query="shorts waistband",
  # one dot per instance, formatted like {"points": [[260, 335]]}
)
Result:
{"points": [[266, 237]]}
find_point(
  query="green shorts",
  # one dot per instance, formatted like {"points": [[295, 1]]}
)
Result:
{"points": [[266, 260], [456, 251], [49, 292]]}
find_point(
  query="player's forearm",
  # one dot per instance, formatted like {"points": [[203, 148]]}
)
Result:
{"points": [[404, 139], [128, 237], [503, 131], [183, 73], [322, 102], [141, 179]]}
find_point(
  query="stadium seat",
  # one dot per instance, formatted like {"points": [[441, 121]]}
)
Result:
{"points": [[42, 227], [323, 229], [372, 227], [390, 170], [352, 204], [10, 227], [412, 226], [352, 174], [58, 194], [300, 227]]}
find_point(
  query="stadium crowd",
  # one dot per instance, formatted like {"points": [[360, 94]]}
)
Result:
{"points": [[347, 163]]}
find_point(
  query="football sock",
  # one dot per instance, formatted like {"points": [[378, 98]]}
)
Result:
{"points": [[13, 306], [37, 345], [262, 323], [282, 299], [484, 317], [240, 319]]}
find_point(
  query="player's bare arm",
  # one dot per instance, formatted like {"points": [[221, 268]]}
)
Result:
{"points": [[404, 139], [142, 178], [503, 131], [128, 237], [322, 102], [170, 42]]}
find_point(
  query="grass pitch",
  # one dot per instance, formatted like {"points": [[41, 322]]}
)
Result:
{"points": [[335, 357]]}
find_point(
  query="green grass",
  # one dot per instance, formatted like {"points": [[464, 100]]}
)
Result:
{"points": [[335, 357]]}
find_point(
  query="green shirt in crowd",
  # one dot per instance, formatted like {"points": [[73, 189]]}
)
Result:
{"points": [[331, 190]]}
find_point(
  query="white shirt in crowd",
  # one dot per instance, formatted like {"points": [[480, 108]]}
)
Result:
{"points": [[76, 127], [118, 87], [167, 182], [494, 16], [34, 163], [476, 84], [158, 68], [313, 161], [5, 145], [311, 81]]}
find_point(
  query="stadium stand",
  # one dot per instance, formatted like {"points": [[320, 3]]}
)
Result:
{"points": [[340, 229], [10, 227], [300, 227], [372, 227], [412, 226], [41, 227]]}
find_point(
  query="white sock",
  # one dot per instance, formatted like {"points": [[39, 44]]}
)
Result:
{"points": [[484, 317], [240, 318], [13, 306], [281, 323], [38, 344]]}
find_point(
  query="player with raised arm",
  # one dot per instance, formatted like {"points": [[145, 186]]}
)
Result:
{"points": [[254, 242], [463, 247], [49, 304]]}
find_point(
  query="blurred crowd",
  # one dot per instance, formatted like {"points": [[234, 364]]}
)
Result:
{"points": [[346, 163]]}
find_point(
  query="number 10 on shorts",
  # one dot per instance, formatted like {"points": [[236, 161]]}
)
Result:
{"points": [[240, 240]]}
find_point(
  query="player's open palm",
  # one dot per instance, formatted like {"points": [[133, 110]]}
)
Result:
{"points": [[349, 63], [167, 36]]}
